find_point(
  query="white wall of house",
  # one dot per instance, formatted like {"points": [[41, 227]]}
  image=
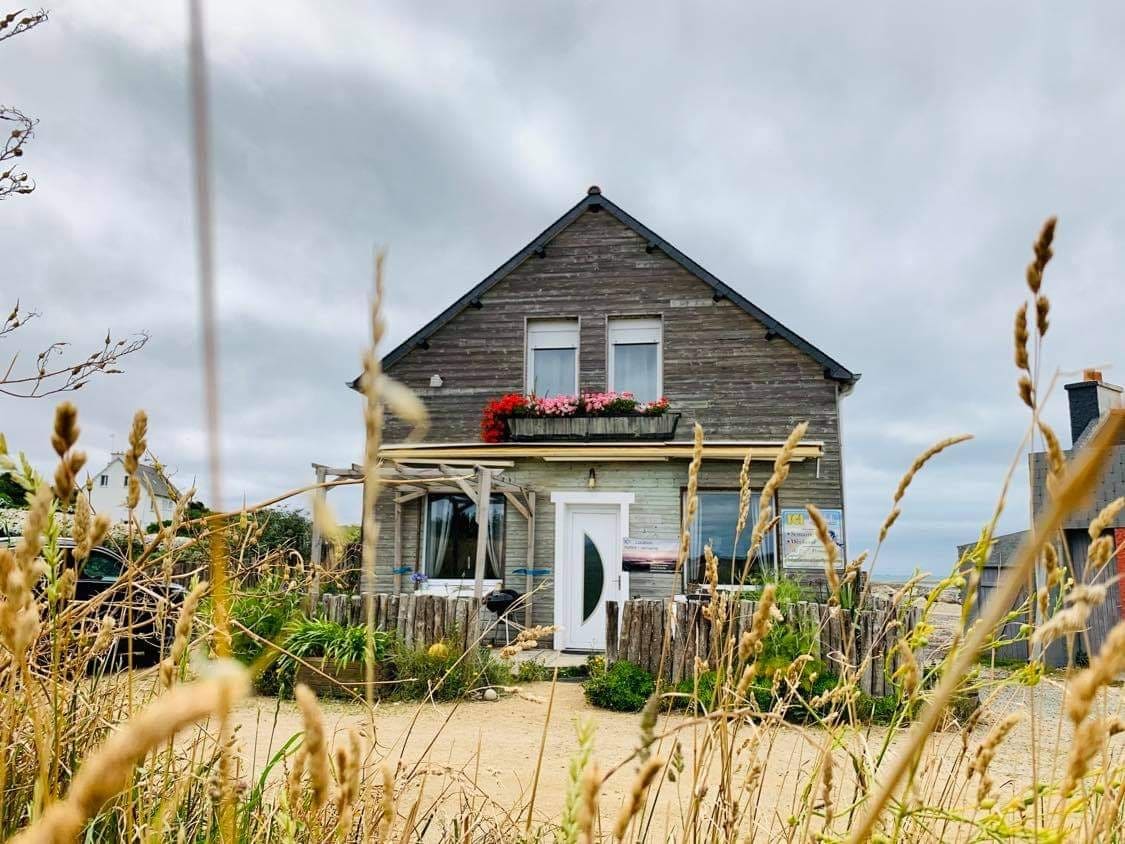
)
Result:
{"points": [[108, 496]]}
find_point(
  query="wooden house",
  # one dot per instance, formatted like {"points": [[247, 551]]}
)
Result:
{"points": [[584, 511]]}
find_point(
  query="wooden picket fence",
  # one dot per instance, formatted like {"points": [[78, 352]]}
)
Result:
{"points": [[636, 635], [417, 620]]}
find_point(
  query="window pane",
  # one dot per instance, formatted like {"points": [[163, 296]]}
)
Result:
{"points": [[715, 522], [451, 538], [634, 370], [553, 372]]}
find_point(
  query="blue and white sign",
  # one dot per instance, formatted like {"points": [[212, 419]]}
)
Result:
{"points": [[799, 543]]}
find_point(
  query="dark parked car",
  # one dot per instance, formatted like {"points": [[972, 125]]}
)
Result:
{"points": [[101, 575]]}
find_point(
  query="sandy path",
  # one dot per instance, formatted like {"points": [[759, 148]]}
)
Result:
{"points": [[508, 733]]}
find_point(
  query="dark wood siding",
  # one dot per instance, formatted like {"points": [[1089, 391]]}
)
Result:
{"points": [[720, 368]]}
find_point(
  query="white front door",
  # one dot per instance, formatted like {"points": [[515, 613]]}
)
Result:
{"points": [[587, 565]]}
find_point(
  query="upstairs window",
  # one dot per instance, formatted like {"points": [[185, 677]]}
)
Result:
{"points": [[635, 359], [552, 357], [103, 480], [451, 537]]}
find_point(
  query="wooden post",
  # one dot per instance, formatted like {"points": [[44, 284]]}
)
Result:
{"points": [[317, 542], [610, 632], [484, 491], [528, 617], [397, 561]]}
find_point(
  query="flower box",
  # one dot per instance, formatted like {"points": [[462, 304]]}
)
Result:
{"points": [[593, 428]]}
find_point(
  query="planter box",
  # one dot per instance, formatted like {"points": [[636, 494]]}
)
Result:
{"points": [[593, 428], [346, 682]]}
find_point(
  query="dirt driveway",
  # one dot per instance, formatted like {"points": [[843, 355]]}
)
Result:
{"points": [[445, 739]]}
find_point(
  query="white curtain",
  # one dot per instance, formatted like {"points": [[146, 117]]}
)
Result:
{"points": [[634, 370], [553, 372], [441, 520], [495, 537]]}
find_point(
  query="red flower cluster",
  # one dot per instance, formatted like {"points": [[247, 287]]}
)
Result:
{"points": [[492, 427]]}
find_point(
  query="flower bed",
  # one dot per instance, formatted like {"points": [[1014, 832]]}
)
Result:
{"points": [[585, 416]]}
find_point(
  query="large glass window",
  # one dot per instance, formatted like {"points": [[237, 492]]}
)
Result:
{"points": [[715, 522], [552, 357], [635, 357], [451, 537]]}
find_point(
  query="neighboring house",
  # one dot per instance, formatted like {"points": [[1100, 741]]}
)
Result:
{"points": [[1090, 401], [600, 302], [111, 484]]}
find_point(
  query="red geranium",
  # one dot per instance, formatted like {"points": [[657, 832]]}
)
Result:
{"points": [[492, 428]]}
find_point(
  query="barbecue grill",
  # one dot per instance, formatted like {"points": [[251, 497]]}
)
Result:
{"points": [[500, 602]]}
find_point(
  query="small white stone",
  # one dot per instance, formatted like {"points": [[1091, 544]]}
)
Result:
{"points": [[490, 694]]}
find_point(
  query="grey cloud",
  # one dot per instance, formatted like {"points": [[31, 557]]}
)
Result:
{"points": [[871, 176]]}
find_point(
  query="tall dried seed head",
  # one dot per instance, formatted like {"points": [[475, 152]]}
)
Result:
{"points": [[987, 750], [109, 769], [387, 805], [65, 432], [920, 461], [588, 803], [1021, 337], [634, 800], [1103, 669], [138, 442], [183, 634], [1105, 518], [1043, 254], [1056, 460], [1026, 391], [316, 742], [1042, 310], [831, 551]]}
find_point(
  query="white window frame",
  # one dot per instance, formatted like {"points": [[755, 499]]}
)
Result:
{"points": [[626, 330], [454, 587], [559, 333]]}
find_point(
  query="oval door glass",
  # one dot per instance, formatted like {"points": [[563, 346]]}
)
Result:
{"points": [[593, 577]]}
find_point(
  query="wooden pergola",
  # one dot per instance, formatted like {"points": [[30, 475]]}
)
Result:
{"points": [[477, 480]]}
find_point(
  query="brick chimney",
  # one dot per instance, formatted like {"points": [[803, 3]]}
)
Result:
{"points": [[1089, 399]]}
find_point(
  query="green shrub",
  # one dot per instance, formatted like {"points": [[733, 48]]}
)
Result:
{"points": [[877, 710], [532, 671], [444, 672], [623, 687], [265, 609], [695, 700]]}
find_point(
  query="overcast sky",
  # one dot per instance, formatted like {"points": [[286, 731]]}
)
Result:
{"points": [[871, 175]]}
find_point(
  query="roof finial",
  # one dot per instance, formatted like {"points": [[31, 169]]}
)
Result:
{"points": [[593, 190]]}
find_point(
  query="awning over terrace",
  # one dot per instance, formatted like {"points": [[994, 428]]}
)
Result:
{"points": [[495, 454]]}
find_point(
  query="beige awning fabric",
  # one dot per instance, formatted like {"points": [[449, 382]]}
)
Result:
{"points": [[583, 452]]}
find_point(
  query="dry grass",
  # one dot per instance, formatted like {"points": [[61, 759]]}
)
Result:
{"points": [[74, 763]]}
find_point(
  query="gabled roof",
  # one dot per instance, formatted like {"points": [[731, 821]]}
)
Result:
{"points": [[595, 200], [149, 478]]}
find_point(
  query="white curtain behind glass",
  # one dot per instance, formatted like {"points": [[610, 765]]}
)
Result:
{"points": [[634, 370], [495, 538], [553, 372], [441, 520]]}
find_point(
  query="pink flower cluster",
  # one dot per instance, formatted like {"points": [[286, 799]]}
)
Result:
{"points": [[555, 406], [600, 402]]}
